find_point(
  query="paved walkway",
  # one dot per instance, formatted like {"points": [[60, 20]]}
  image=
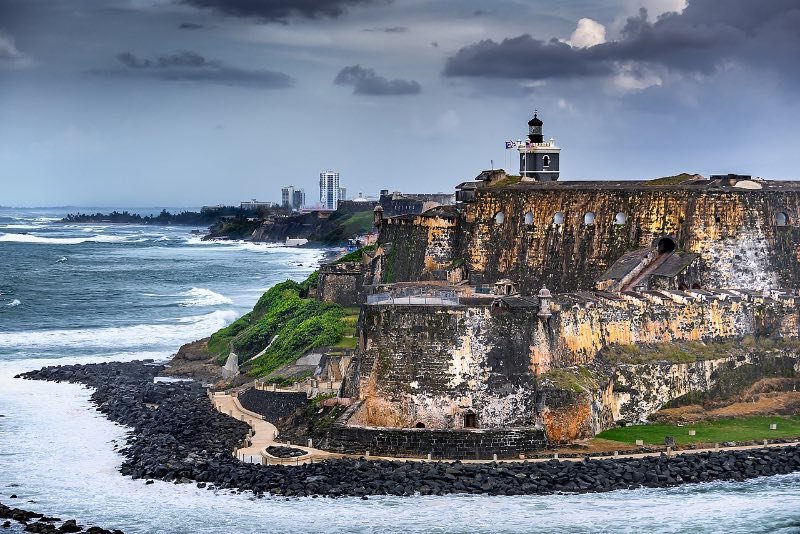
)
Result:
{"points": [[264, 434]]}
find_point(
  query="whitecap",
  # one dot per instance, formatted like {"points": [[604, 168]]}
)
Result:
{"points": [[139, 337], [199, 296], [28, 238], [14, 303], [61, 259]]}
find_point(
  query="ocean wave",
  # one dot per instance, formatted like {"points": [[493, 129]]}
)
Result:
{"points": [[139, 337], [199, 296], [14, 303], [28, 238]]}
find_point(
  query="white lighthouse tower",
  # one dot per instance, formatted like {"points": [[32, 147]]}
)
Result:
{"points": [[538, 159]]}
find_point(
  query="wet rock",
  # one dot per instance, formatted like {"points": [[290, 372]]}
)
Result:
{"points": [[185, 439]]}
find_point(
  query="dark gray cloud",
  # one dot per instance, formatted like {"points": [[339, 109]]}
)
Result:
{"points": [[365, 82], [390, 29], [191, 66], [701, 39], [191, 26], [278, 10]]}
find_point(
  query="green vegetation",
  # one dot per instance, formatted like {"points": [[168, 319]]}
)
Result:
{"points": [[193, 218], [576, 379], [721, 430], [691, 351], [287, 324], [671, 180], [510, 179], [356, 254], [343, 226]]}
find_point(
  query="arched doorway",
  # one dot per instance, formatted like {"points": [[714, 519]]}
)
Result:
{"points": [[666, 245], [419, 425]]}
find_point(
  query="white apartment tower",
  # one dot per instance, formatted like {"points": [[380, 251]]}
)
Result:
{"points": [[329, 189]]}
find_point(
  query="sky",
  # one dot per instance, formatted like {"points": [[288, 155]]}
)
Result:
{"points": [[192, 102]]}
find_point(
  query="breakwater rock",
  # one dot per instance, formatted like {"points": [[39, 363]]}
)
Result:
{"points": [[177, 436], [35, 522]]}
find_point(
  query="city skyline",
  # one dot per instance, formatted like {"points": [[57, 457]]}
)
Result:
{"points": [[413, 96]]}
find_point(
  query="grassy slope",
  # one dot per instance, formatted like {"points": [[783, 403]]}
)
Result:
{"points": [[290, 323], [721, 430]]}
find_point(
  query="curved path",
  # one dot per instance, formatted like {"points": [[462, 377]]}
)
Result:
{"points": [[263, 434]]}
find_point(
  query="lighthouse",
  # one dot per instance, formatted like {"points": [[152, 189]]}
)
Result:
{"points": [[538, 159]]}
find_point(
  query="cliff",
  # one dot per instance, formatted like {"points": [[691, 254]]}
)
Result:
{"points": [[318, 227]]}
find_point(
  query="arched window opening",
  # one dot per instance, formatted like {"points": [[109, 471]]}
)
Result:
{"points": [[588, 218], [666, 245], [500, 218], [546, 161], [470, 420], [419, 425], [529, 218], [782, 219], [558, 218], [696, 285], [620, 218]]}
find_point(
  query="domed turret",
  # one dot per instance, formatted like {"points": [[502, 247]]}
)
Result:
{"points": [[535, 129]]}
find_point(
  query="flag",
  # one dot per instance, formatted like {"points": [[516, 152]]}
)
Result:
{"points": [[509, 144]]}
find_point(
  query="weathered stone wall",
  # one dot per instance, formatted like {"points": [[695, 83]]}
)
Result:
{"points": [[733, 230], [450, 444], [432, 365], [422, 247], [342, 283]]}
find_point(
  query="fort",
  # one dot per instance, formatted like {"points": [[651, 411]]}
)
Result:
{"points": [[495, 325]]}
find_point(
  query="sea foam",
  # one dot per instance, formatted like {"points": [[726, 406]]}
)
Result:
{"points": [[35, 239], [14, 303], [141, 336], [199, 296]]}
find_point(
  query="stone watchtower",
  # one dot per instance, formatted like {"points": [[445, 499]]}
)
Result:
{"points": [[538, 159]]}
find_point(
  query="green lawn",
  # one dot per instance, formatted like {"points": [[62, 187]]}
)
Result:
{"points": [[744, 429]]}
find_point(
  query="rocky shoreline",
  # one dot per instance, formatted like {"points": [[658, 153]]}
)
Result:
{"points": [[177, 436], [35, 522]]}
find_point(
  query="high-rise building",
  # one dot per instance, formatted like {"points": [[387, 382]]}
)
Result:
{"points": [[329, 189], [342, 193], [298, 198], [287, 196], [293, 198]]}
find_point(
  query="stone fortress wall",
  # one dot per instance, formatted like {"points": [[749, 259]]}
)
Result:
{"points": [[431, 366], [564, 235]]}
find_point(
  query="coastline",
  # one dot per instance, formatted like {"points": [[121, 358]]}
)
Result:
{"points": [[198, 444]]}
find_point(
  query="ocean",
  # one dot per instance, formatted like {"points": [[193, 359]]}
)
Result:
{"points": [[79, 293]]}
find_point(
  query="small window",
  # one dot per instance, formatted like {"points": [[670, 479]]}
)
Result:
{"points": [[529, 218], [546, 161], [782, 219], [588, 218], [470, 420], [419, 425], [500, 218], [620, 218], [558, 218]]}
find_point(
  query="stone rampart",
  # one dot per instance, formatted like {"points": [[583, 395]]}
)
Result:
{"points": [[565, 235], [449, 367], [342, 283]]}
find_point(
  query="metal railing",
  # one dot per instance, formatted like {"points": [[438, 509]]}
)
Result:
{"points": [[415, 297]]}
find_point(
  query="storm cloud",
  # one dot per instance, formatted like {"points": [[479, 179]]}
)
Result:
{"points": [[191, 66], [278, 10], [701, 39], [366, 82]]}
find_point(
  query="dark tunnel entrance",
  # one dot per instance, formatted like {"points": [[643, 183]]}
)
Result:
{"points": [[666, 245]]}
